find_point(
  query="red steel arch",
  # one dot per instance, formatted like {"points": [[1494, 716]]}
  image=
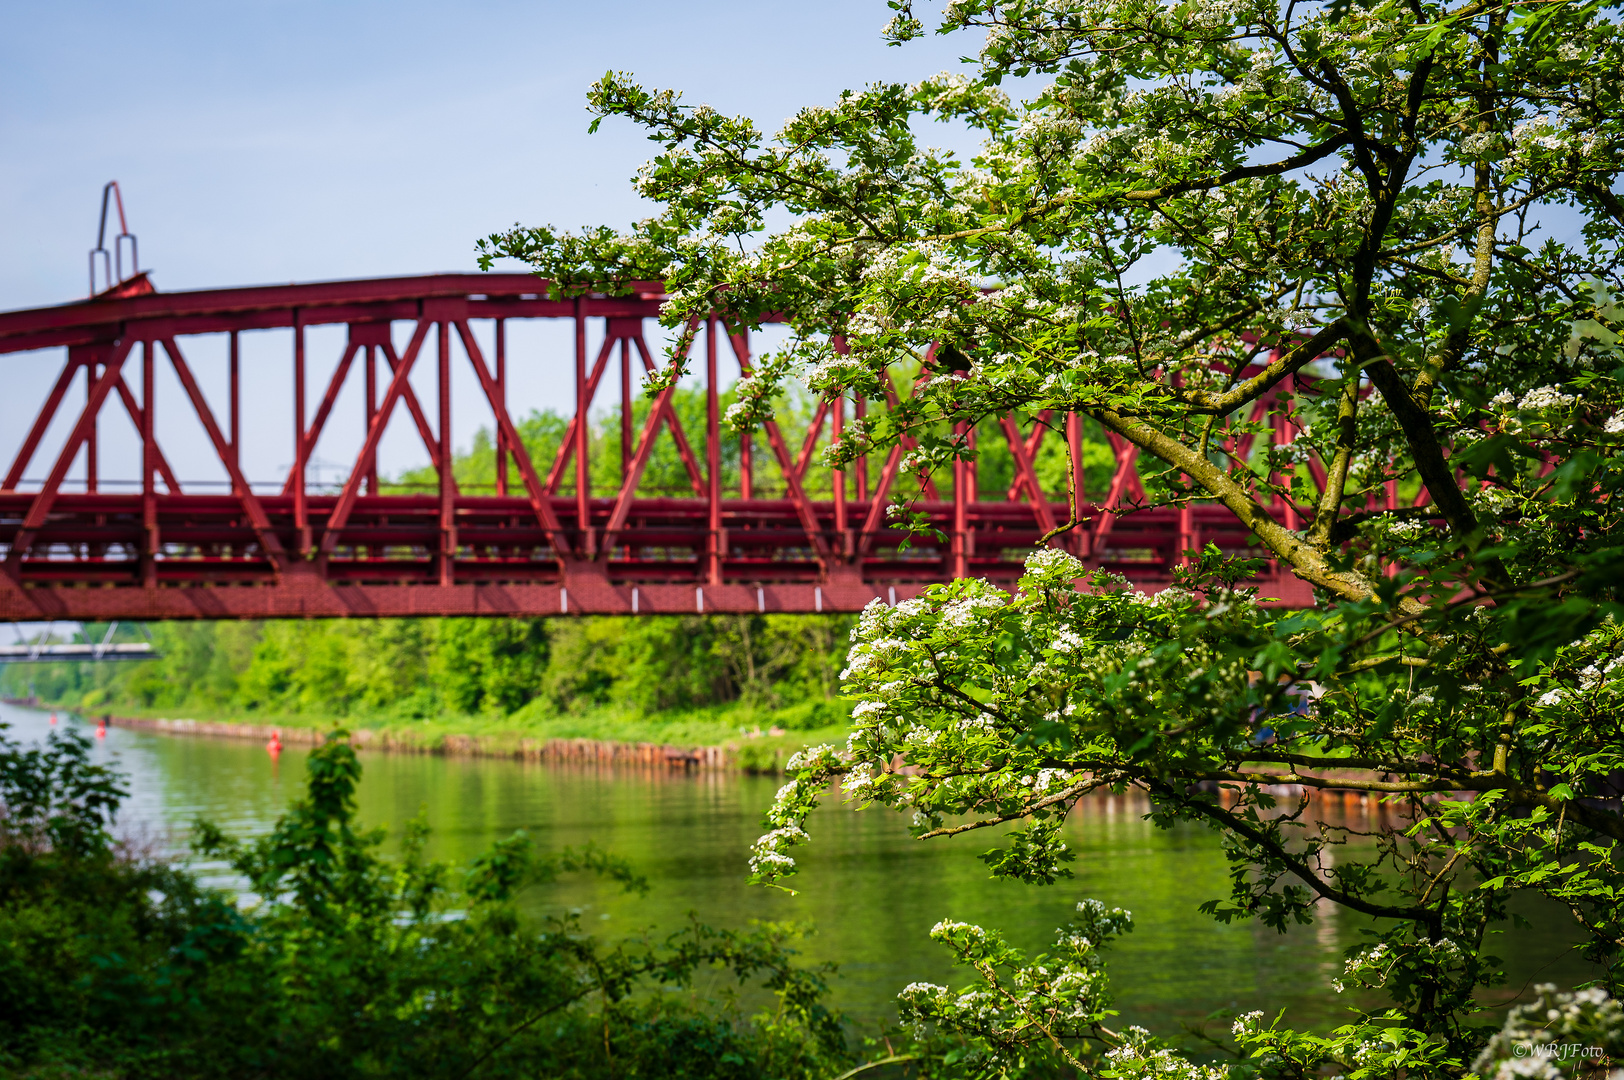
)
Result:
{"points": [[544, 543]]}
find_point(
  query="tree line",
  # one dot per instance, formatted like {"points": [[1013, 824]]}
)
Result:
{"points": [[410, 669]]}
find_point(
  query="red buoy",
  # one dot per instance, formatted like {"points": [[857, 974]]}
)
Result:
{"points": [[53, 719], [101, 728], [274, 747]]}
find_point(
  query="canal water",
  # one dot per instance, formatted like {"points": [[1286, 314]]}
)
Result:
{"points": [[871, 891]]}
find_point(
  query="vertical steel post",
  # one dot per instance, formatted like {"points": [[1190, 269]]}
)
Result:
{"points": [[369, 357], [1074, 450], [501, 396], [301, 511], [92, 373], [149, 471], [961, 522], [236, 402], [970, 474], [741, 352], [838, 477], [1284, 435], [715, 544], [372, 414], [625, 408], [1390, 502], [583, 493], [860, 410], [448, 520]]}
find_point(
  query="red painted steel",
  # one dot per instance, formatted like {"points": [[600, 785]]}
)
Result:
{"points": [[549, 547]]}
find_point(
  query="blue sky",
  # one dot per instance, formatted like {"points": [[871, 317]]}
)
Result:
{"points": [[262, 142]]}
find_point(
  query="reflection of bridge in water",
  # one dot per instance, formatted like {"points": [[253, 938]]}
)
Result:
{"points": [[544, 543]]}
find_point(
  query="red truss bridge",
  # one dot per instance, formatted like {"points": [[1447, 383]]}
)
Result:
{"points": [[544, 543]]}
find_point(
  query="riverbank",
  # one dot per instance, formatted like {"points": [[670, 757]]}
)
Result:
{"points": [[722, 738]]}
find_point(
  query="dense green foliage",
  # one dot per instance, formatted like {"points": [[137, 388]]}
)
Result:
{"points": [[1351, 271], [116, 965], [428, 668]]}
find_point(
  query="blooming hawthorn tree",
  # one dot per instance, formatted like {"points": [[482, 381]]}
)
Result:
{"points": [[1398, 222]]}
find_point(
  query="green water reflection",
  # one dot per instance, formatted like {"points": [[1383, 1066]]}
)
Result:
{"points": [[872, 891]]}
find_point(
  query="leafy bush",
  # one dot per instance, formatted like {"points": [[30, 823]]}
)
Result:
{"points": [[347, 964]]}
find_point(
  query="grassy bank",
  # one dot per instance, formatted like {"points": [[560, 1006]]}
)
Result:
{"points": [[428, 684], [756, 740]]}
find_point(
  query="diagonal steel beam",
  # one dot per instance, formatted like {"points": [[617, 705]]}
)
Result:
{"points": [[684, 451], [334, 385], [566, 450], [127, 396], [39, 509], [877, 505], [926, 484], [430, 443], [1040, 427], [41, 422], [792, 481], [634, 469], [398, 389], [521, 455], [1240, 449], [1125, 481], [815, 429], [1028, 476], [257, 518]]}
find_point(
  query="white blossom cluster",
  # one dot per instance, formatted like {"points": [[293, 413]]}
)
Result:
{"points": [[1492, 501], [1139, 1057], [1588, 679], [937, 693], [1545, 397], [767, 857], [1555, 1036], [1371, 968], [1066, 988]]}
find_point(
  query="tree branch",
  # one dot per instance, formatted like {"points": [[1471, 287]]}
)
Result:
{"points": [[1302, 355], [1336, 475], [1306, 561], [1416, 423], [1257, 836]]}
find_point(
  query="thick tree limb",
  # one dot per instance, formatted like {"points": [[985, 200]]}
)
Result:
{"points": [[1245, 172], [1336, 475], [1296, 359], [1305, 560], [1416, 423]]}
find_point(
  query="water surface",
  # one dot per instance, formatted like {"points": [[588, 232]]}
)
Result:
{"points": [[872, 891]]}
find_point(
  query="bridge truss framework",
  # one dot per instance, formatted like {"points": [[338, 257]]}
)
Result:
{"points": [[544, 543]]}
